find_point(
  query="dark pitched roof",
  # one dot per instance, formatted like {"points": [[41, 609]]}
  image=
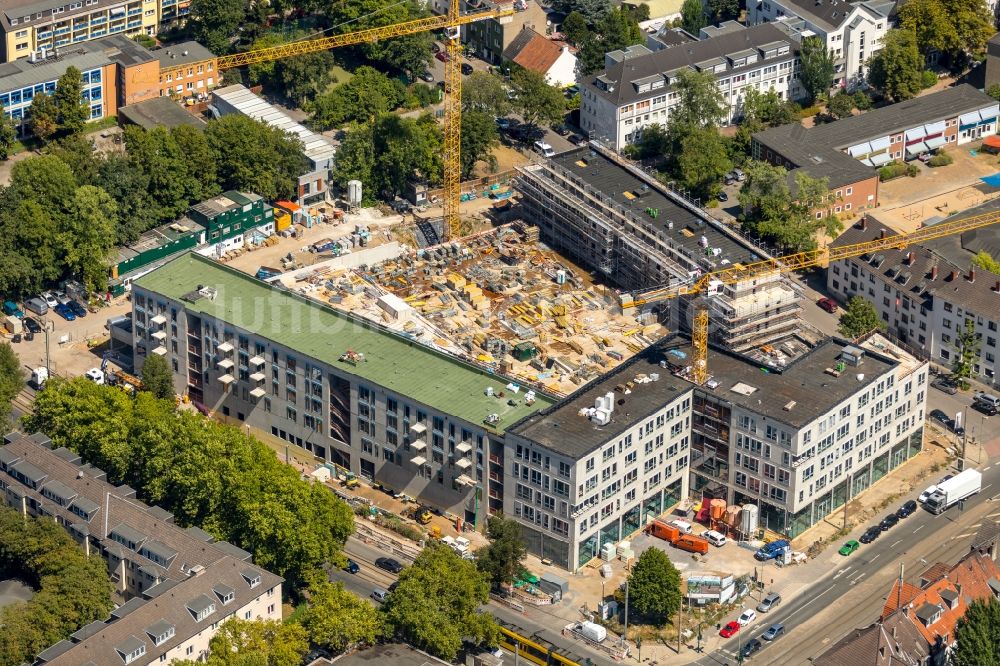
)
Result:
{"points": [[831, 13], [892, 642]]}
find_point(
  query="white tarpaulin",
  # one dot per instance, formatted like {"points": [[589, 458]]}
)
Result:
{"points": [[880, 144], [969, 118], [990, 112], [915, 133], [934, 128], [860, 149]]}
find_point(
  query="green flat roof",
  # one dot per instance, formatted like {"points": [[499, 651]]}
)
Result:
{"points": [[313, 329]]}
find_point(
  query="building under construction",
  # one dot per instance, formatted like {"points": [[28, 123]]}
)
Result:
{"points": [[620, 222]]}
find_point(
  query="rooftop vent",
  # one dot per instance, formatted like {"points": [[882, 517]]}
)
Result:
{"points": [[852, 355]]}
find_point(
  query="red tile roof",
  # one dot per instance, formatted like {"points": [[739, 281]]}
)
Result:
{"points": [[898, 598], [533, 51]]}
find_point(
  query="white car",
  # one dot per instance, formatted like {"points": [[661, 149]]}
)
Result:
{"points": [[50, 299], [927, 493], [746, 617], [544, 149], [715, 538]]}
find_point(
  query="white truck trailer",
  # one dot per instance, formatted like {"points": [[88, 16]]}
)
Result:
{"points": [[957, 488]]}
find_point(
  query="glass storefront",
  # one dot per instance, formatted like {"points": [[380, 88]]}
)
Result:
{"points": [[610, 533], [587, 550], [880, 467], [652, 507], [672, 495], [631, 521]]}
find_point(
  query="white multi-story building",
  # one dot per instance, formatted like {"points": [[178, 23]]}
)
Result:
{"points": [[925, 293], [175, 586], [852, 31], [796, 442], [634, 90]]}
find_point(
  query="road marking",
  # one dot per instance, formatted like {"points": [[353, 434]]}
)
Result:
{"points": [[842, 572], [812, 600], [918, 529], [962, 536], [987, 467], [894, 545], [978, 525], [874, 558], [994, 514], [855, 580]]}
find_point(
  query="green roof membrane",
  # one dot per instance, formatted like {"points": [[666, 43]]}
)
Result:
{"points": [[313, 329]]}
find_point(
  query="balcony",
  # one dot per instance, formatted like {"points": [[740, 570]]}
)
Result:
{"points": [[99, 21]]}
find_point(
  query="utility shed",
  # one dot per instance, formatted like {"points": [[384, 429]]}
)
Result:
{"points": [[395, 308]]}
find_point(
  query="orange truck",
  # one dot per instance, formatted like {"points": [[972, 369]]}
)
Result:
{"points": [[688, 542]]}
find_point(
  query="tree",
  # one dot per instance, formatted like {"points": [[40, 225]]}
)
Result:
{"points": [[693, 16], [896, 69], [88, 236], [841, 105], [703, 161], [215, 22], [784, 213], [337, 619], [256, 643], [966, 345], [12, 376], [699, 101], [8, 135], [976, 635], [575, 29], [994, 91], [654, 141], [817, 70], [479, 138], [501, 559], [723, 10], [985, 260], [368, 95], [974, 25], [254, 157], [73, 111], [859, 318], [156, 377], [436, 605], [485, 92], [931, 25], [591, 10], [654, 586], [537, 101], [44, 119], [617, 29]]}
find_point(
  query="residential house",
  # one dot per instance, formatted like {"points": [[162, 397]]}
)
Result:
{"points": [[187, 70], [489, 38], [553, 60]]}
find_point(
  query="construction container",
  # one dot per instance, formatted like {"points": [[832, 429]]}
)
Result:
{"points": [[282, 221], [692, 543], [663, 531]]}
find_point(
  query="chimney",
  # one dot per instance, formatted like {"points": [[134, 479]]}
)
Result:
{"points": [[953, 276], [934, 272], [881, 234], [864, 223], [911, 257], [996, 287], [972, 274]]}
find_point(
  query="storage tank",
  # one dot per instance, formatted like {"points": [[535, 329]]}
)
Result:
{"points": [[733, 515], [560, 277], [717, 509], [354, 192], [748, 522]]}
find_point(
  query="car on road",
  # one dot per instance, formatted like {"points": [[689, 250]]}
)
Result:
{"points": [[466, 69], [379, 595], [945, 385], [77, 308], [435, 48], [723, 196], [389, 564], [773, 632], [907, 509], [442, 56], [351, 567], [770, 602], [827, 304], [871, 534], [985, 408], [50, 299], [889, 522], [730, 629], [746, 617], [849, 547], [947, 422], [32, 325], [63, 311], [751, 646]]}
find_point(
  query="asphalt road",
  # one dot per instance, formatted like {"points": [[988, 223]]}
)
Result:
{"points": [[853, 594]]}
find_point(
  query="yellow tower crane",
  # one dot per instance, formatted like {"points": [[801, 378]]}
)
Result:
{"points": [[451, 23], [710, 282]]}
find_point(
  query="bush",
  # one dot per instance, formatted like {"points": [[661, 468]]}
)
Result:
{"points": [[941, 159], [927, 78], [892, 170], [146, 40], [809, 111]]}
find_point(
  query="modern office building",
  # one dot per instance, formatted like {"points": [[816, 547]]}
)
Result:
{"points": [[852, 31], [925, 293], [318, 149], [173, 586], [352, 393], [116, 72], [796, 442], [228, 217], [848, 151], [634, 90]]}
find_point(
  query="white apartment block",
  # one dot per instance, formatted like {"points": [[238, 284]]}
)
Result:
{"points": [[634, 90], [852, 31], [925, 293], [174, 586], [796, 442]]}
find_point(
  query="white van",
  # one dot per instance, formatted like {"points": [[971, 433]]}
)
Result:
{"points": [[95, 375], [544, 149], [715, 538], [683, 525], [991, 402]]}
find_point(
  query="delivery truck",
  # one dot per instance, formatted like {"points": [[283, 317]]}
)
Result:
{"points": [[957, 488], [692, 543], [677, 538]]}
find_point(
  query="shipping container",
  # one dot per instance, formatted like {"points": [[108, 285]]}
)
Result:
{"points": [[692, 544]]}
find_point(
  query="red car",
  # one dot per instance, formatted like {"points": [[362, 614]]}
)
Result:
{"points": [[827, 304], [730, 629], [442, 56]]}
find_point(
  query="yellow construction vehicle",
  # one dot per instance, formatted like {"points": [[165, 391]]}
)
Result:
{"points": [[710, 283], [450, 23]]}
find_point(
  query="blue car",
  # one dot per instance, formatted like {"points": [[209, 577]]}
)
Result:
{"points": [[63, 311], [351, 566], [77, 309]]}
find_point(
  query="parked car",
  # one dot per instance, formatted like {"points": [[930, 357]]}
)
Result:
{"points": [[849, 547], [740, 176], [715, 538], [729, 179], [946, 385], [11, 310], [77, 308], [827, 304], [466, 68], [871, 534], [36, 305], [773, 632], [947, 422], [351, 567], [379, 595], [577, 139], [730, 629], [32, 325], [389, 564], [428, 77], [889, 522], [544, 149], [750, 647], [50, 299], [723, 196], [770, 602], [442, 56], [746, 617], [505, 123], [907, 509], [985, 408], [435, 48], [63, 311], [561, 130]]}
